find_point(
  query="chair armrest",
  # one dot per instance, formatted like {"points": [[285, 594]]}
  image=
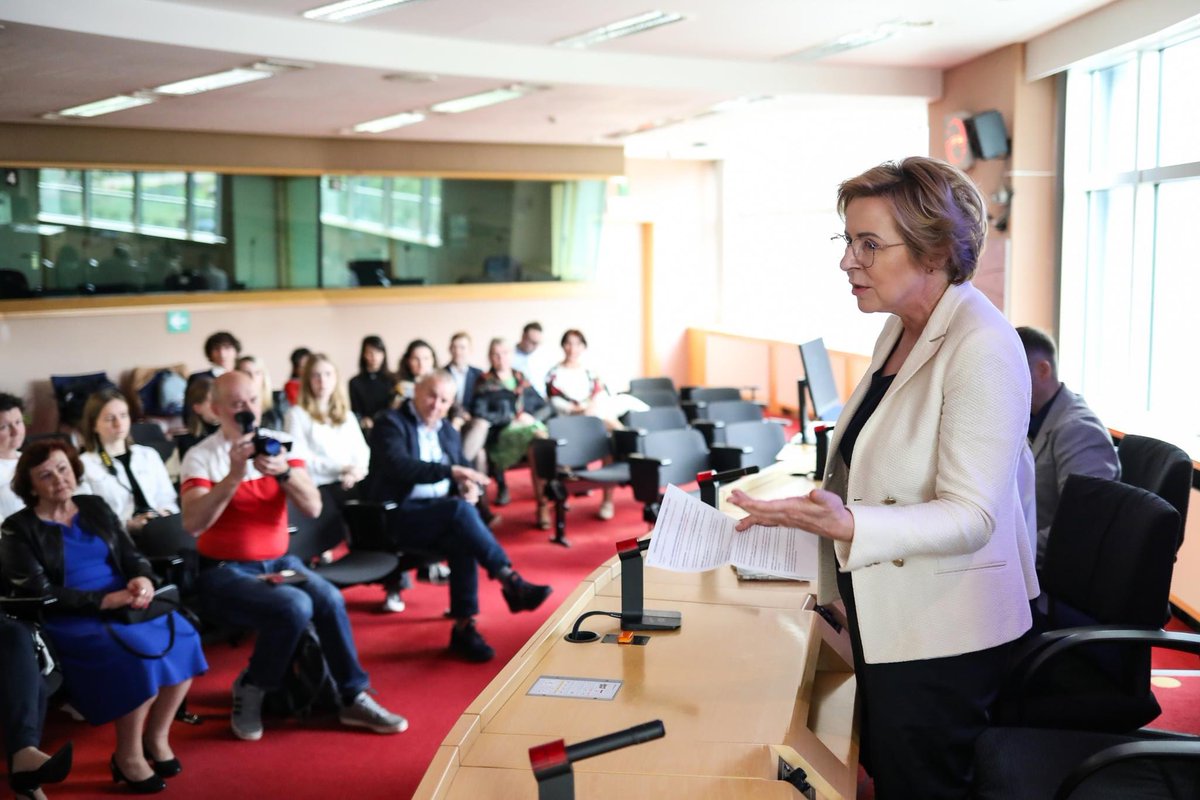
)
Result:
{"points": [[644, 476], [713, 430], [545, 457], [724, 457], [627, 441], [1158, 749], [26, 608], [692, 409]]}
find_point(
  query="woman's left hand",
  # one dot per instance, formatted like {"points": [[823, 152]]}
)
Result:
{"points": [[141, 592], [820, 512]]}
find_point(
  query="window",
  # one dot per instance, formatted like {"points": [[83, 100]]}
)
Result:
{"points": [[1129, 284], [404, 209]]}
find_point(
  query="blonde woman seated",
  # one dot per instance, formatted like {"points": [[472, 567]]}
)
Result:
{"points": [[322, 422], [505, 398], [274, 404], [130, 477], [132, 674]]}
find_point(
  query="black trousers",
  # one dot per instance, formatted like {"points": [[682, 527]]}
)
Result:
{"points": [[22, 690], [919, 719]]}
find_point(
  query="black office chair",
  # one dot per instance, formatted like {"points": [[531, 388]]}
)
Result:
{"points": [[1109, 559], [673, 456], [1158, 467], [748, 444], [563, 461], [310, 538], [72, 391], [1057, 764], [151, 434]]}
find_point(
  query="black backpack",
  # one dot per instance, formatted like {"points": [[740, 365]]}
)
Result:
{"points": [[307, 687]]}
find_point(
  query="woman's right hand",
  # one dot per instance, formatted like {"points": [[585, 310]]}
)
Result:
{"points": [[524, 418], [118, 599]]}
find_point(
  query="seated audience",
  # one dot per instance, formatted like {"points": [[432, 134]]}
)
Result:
{"points": [[1067, 438], [221, 349], [22, 713], [323, 425], [371, 389], [291, 389], [418, 360], [531, 359], [474, 431], [75, 549], [505, 398], [130, 477], [417, 461], [236, 502], [201, 420], [274, 406], [12, 436]]}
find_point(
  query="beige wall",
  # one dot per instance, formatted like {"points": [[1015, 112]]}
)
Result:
{"points": [[1019, 269]]}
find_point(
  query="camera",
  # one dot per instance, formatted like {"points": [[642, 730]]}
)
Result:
{"points": [[263, 445]]}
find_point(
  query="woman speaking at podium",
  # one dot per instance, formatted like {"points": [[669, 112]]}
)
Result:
{"points": [[921, 512]]}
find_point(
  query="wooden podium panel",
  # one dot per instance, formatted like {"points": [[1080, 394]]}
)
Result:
{"points": [[475, 783]]}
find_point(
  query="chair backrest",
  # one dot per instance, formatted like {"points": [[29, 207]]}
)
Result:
{"points": [[1111, 552], [713, 394], [585, 440], [732, 411], [151, 435], [656, 398], [822, 388], [663, 418], [311, 537], [685, 448], [765, 439], [657, 384], [72, 392], [1158, 467]]}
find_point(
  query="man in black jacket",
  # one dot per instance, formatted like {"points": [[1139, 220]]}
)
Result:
{"points": [[417, 461]]}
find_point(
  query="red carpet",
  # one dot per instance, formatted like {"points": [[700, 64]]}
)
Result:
{"points": [[405, 656]]}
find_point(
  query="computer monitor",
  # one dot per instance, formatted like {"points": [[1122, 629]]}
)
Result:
{"points": [[822, 388]]}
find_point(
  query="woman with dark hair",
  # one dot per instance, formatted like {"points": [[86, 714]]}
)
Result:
{"points": [[291, 389], [130, 477], [418, 361], [371, 389], [925, 530], [201, 419], [134, 674]]}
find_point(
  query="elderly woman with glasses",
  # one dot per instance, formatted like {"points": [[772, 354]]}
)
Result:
{"points": [[924, 529]]}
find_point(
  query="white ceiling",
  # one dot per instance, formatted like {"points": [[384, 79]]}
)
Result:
{"points": [[59, 53]]}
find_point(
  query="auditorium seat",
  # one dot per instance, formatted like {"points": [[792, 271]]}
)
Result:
{"points": [[564, 461], [1158, 467]]}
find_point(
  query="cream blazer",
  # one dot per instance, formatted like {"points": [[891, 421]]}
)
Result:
{"points": [[941, 489]]}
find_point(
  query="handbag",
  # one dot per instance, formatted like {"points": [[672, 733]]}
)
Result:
{"points": [[166, 599]]}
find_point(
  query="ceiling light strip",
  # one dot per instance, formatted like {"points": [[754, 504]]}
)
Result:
{"points": [[390, 123], [108, 105], [217, 80], [483, 99], [348, 10], [625, 27]]}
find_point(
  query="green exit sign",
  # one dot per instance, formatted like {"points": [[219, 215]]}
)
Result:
{"points": [[179, 321]]}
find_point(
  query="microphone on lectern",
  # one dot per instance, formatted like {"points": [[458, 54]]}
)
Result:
{"points": [[552, 761]]}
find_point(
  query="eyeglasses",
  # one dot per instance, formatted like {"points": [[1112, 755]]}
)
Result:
{"points": [[864, 249]]}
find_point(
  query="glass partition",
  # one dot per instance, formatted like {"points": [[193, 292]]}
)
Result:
{"points": [[67, 231]]}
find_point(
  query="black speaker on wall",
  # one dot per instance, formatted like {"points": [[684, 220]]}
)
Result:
{"points": [[988, 135]]}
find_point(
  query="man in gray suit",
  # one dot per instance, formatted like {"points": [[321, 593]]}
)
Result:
{"points": [[1066, 436]]}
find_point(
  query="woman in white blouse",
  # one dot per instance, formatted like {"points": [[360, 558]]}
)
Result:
{"points": [[130, 477], [322, 420]]}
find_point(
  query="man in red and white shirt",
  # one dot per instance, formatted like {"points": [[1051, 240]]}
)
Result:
{"points": [[236, 502]]}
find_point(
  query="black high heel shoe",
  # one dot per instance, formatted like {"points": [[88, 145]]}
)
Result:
{"points": [[164, 769], [54, 770], [151, 785]]}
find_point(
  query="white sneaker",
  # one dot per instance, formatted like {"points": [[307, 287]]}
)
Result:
{"points": [[364, 712], [246, 717], [393, 603], [606, 510]]}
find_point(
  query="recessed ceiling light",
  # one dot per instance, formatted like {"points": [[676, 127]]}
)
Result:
{"points": [[625, 27], [411, 77], [862, 38], [483, 99], [217, 80], [106, 106], [390, 123], [348, 10]]}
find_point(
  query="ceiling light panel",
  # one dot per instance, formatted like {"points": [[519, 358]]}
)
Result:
{"points": [[108, 105], [349, 10], [857, 39], [217, 80], [390, 123], [483, 99], [625, 27]]}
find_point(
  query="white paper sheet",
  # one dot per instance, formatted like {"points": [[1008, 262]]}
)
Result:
{"points": [[690, 536]]}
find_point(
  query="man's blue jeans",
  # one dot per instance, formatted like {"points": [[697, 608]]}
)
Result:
{"points": [[233, 594], [452, 526]]}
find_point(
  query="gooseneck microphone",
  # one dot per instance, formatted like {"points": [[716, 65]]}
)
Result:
{"points": [[552, 761]]}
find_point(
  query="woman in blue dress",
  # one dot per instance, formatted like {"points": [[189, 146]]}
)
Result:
{"points": [[75, 549]]}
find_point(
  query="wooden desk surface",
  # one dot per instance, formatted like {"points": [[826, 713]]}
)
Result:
{"points": [[753, 676]]}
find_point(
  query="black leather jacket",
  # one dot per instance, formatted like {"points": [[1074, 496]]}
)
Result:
{"points": [[31, 554]]}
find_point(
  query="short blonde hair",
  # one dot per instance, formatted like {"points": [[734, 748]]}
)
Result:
{"points": [[941, 214], [339, 406]]}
